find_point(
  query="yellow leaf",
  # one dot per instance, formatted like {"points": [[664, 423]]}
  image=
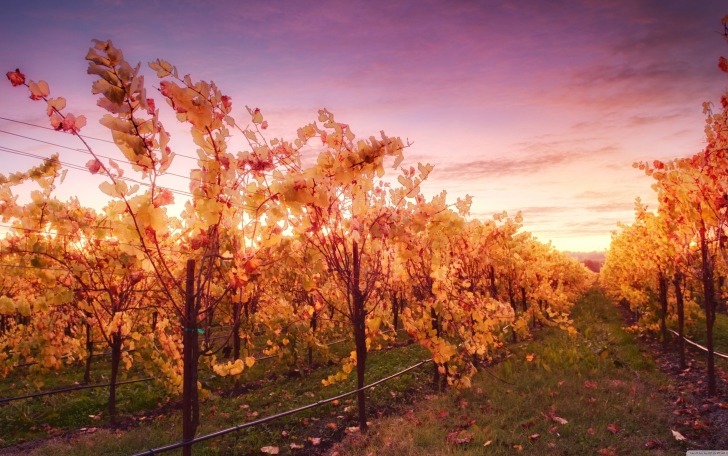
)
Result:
{"points": [[6, 305]]}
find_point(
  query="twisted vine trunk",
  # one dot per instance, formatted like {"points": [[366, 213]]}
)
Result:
{"points": [[710, 304], [676, 281], [313, 324], [511, 299], [115, 360], [395, 312], [190, 399], [90, 350], [662, 282], [358, 317]]}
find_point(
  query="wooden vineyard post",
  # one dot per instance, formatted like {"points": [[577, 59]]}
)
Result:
{"points": [[190, 407]]}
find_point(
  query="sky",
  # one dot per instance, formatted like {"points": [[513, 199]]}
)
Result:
{"points": [[537, 106]]}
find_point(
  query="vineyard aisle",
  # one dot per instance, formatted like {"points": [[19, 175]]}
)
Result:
{"points": [[601, 392]]}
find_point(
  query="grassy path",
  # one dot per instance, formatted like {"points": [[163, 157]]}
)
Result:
{"points": [[595, 393]]}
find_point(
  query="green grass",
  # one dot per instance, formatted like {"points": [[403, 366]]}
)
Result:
{"points": [[272, 391], [598, 378], [720, 333]]}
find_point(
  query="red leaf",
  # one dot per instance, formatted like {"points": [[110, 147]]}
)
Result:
{"points": [[653, 444], [723, 64], [591, 431], [613, 428], [94, 166], [150, 106], [163, 198], [72, 123], [459, 437], [16, 77]]}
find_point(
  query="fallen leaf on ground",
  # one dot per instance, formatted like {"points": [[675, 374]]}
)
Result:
{"points": [[613, 428], [591, 431], [459, 437], [530, 357], [559, 420], [590, 385], [296, 447], [678, 436], [315, 441], [488, 443], [653, 444], [534, 436], [269, 449]]}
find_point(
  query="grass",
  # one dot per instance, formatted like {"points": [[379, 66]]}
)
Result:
{"points": [[271, 390], [720, 333], [596, 381]]}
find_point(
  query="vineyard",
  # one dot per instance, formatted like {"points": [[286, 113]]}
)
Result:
{"points": [[280, 252], [302, 290]]}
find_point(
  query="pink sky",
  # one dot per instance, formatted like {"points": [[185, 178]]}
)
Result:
{"points": [[530, 105]]}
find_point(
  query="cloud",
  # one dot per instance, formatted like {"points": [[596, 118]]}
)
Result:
{"points": [[533, 157], [611, 207], [501, 167], [639, 120]]}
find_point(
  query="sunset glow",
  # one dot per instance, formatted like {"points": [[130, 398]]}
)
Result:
{"points": [[540, 107]]}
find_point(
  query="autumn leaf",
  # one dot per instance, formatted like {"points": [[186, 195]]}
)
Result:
{"points": [[613, 428], [678, 436], [70, 123], [269, 449], [163, 198], [559, 420], [315, 441], [7, 306], [150, 106], [38, 90], [723, 64], [590, 385], [591, 431], [533, 437], [16, 77], [93, 166], [295, 446], [653, 444], [459, 437], [55, 104], [530, 357]]}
